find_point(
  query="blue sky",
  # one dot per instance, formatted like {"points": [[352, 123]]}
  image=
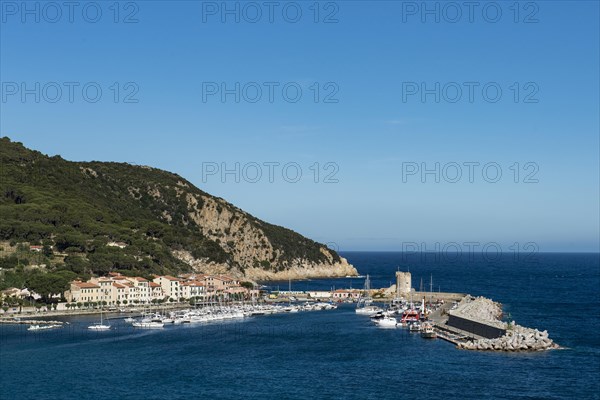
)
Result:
{"points": [[371, 130]]}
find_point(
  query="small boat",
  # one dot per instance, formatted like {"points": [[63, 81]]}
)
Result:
{"points": [[100, 326], [409, 316], [43, 327], [148, 325], [363, 306], [368, 310], [377, 315], [129, 320], [386, 322], [427, 331], [414, 327]]}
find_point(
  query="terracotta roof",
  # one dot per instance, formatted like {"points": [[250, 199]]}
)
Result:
{"points": [[140, 279], [154, 284], [86, 285]]}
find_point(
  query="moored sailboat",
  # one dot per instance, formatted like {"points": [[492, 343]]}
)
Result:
{"points": [[363, 305], [99, 326]]}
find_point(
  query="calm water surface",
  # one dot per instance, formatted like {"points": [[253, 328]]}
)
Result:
{"points": [[331, 354]]}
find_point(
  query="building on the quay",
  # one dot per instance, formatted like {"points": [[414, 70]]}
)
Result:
{"points": [[191, 289], [171, 286], [116, 289], [320, 294], [346, 294]]}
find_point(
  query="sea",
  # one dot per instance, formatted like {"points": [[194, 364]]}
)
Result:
{"points": [[333, 354]]}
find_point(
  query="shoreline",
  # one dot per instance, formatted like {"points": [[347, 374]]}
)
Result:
{"points": [[9, 316]]}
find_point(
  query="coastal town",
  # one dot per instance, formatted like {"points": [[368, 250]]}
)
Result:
{"points": [[116, 289]]}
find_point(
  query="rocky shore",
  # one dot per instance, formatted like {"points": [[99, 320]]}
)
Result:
{"points": [[516, 338], [298, 270], [304, 270]]}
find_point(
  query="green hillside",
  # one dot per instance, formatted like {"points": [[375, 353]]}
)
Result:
{"points": [[74, 209]]}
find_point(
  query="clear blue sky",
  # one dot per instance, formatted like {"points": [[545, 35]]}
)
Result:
{"points": [[370, 56]]}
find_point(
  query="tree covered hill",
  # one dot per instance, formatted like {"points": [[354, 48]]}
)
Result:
{"points": [[162, 223]]}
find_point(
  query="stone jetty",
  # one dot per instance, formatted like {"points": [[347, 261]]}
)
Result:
{"points": [[484, 312]]}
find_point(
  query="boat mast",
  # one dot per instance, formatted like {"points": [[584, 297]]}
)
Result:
{"points": [[431, 289]]}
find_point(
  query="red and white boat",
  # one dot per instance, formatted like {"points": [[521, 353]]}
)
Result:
{"points": [[410, 316]]}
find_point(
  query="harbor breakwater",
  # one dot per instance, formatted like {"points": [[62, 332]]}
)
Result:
{"points": [[517, 339], [482, 317]]}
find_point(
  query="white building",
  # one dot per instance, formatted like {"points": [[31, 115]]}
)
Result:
{"points": [[192, 289], [171, 286], [319, 294]]}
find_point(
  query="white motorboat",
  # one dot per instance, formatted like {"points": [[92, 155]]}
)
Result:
{"points": [[129, 320], [414, 327], [99, 327], [386, 322], [427, 331], [148, 325], [368, 310], [43, 327]]}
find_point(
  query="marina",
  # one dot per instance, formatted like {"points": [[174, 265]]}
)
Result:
{"points": [[457, 319], [311, 346]]}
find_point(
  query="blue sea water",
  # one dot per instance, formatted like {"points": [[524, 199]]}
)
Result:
{"points": [[332, 354]]}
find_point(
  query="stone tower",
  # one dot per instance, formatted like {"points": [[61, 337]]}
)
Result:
{"points": [[403, 283]]}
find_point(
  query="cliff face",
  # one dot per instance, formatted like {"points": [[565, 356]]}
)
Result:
{"points": [[299, 269], [303, 269], [166, 223]]}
